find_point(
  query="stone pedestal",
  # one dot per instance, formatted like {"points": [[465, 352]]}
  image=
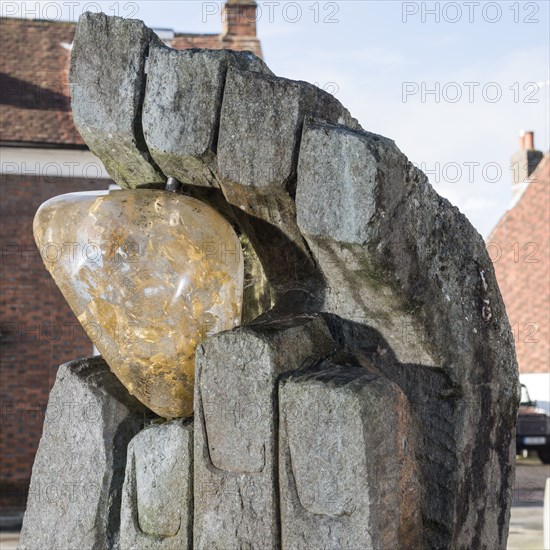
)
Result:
{"points": [[347, 468], [76, 486], [236, 427]]}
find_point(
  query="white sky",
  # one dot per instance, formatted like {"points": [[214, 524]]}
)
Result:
{"points": [[365, 52]]}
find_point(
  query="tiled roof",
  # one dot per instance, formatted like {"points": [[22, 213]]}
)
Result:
{"points": [[34, 89], [35, 102]]}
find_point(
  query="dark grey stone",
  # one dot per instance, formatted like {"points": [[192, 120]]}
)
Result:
{"points": [[402, 261], [107, 85], [339, 208], [181, 111], [261, 123], [348, 472], [75, 492], [236, 424]]}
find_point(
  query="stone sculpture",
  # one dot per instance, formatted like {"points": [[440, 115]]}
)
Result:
{"points": [[370, 401]]}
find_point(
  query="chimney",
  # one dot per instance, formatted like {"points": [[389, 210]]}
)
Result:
{"points": [[239, 19], [524, 162], [526, 140]]}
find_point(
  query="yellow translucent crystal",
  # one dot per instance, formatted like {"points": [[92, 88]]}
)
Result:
{"points": [[149, 274]]}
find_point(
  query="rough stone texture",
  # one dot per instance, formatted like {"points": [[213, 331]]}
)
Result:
{"points": [[181, 110], [236, 424], [402, 261], [342, 199], [261, 122], [76, 485], [348, 476], [157, 498], [107, 81], [343, 224]]}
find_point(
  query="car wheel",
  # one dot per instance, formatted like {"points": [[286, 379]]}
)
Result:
{"points": [[544, 455]]}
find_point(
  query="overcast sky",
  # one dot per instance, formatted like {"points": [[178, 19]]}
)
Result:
{"points": [[486, 63]]}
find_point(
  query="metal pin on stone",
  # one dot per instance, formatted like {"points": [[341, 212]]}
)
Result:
{"points": [[173, 185]]}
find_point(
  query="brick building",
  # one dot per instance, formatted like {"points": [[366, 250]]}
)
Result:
{"points": [[43, 155], [519, 246]]}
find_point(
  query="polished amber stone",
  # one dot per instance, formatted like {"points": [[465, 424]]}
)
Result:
{"points": [[149, 274]]}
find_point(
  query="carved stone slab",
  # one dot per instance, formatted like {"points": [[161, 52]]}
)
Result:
{"points": [[348, 476], [236, 426], [75, 493], [107, 78], [157, 498], [345, 227], [181, 110]]}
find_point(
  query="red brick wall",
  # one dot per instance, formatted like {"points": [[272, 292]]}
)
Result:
{"points": [[520, 248], [38, 330], [186, 41]]}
